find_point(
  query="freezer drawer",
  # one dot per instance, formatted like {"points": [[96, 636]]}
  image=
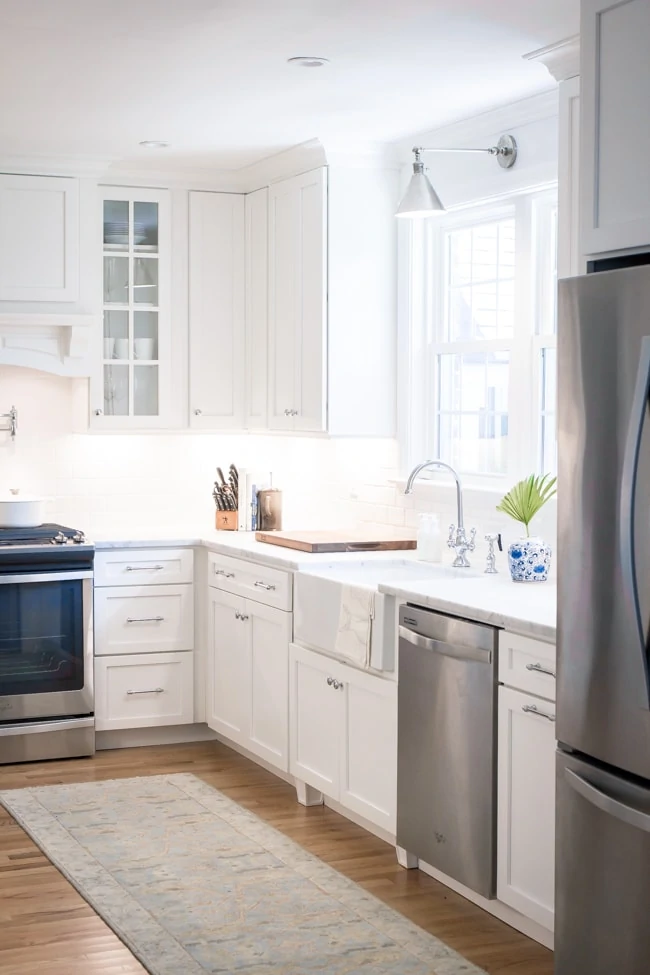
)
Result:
{"points": [[602, 872], [446, 766]]}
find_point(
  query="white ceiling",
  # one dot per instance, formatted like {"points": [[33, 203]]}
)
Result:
{"points": [[95, 77]]}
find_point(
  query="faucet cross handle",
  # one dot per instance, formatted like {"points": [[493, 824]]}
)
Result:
{"points": [[451, 541], [471, 545]]}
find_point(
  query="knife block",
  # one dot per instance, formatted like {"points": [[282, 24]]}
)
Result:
{"points": [[226, 521]]}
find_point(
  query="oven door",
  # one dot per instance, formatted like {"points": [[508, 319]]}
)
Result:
{"points": [[46, 645]]}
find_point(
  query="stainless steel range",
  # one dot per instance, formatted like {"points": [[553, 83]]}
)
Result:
{"points": [[46, 644]]}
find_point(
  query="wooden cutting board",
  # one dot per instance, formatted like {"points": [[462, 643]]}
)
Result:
{"points": [[353, 540]]}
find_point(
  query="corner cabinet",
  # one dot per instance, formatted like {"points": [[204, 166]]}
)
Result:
{"points": [[39, 238], [130, 388], [615, 136], [298, 303]]}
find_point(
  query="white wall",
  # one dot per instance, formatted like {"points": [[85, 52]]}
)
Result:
{"points": [[124, 483]]}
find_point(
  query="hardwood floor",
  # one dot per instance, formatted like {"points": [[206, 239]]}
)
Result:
{"points": [[46, 927]]}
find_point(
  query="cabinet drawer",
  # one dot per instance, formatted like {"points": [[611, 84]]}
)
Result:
{"points": [[144, 691], [143, 567], [273, 587], [528, 665], [147, 619]]}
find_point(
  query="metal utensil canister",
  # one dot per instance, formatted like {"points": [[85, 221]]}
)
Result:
{"points": [[269, 509]]}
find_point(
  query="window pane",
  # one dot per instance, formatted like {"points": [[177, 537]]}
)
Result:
{"points": [[548, 416], [480, 282], [473, 411]]}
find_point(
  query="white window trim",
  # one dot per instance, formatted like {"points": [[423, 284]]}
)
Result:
{"points": [[421, 300]]}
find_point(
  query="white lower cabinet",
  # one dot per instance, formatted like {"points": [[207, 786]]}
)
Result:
{"points": [[526, 803], [247, 699], [316, 711], [144, 690], [143, 619], [343, 734]]}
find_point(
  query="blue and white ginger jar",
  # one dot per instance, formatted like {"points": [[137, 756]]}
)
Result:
{"points": [[529, 560]]}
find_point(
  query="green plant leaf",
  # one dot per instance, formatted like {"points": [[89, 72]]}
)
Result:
{"points": [[527, 497]]}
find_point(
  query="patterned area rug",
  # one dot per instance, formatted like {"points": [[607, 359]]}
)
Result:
{"points": [[192, 883]]}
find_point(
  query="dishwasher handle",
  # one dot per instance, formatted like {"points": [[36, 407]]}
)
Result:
{"points": [[457, 650]]}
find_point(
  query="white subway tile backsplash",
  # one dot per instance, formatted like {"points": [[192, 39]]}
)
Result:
{"points": [[104, 483]]}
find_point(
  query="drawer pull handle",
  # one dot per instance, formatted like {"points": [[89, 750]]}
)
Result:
{"points": [[538, 669], [241, 616], [144, 568], [145, 619], [533, 709], [222, 572], [152, 690], [264, 585]]}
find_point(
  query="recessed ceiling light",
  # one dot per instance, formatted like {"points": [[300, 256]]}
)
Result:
{"points": [[304, 62], [154, 144]]}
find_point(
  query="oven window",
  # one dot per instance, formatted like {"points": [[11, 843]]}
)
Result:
{"points": [[41, 637]]}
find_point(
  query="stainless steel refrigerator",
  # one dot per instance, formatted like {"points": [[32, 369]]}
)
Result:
{"points": [[603, 562]]}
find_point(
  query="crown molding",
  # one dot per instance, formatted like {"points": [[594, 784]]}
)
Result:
{"points": [[40, 165], [290, 162], [562, 60]]}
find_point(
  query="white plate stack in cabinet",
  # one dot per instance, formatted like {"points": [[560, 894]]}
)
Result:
{"points": [[249, 627], [526, 777], [144, 638]]}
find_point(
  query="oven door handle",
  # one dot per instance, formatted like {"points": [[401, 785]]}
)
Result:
{"points": [[45, 577]]}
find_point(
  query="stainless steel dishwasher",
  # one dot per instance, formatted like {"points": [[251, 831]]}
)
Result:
{"points": [[446, 759]]}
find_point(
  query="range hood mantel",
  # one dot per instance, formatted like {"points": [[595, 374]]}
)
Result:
{"points": [[59, 344]]}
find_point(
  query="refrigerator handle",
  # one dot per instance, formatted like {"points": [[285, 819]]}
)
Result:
{"points": [[608, 804], [628, 495]]}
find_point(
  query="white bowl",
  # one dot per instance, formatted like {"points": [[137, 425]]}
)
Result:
{"points": [[21, 511]]}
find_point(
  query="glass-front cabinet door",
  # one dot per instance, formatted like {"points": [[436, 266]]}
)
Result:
{"points": [[131, 388]]}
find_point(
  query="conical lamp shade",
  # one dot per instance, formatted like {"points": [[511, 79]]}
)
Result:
{"points": [[420, 199]]}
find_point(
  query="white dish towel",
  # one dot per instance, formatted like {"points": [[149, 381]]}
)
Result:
{"points": [[355, 625]]}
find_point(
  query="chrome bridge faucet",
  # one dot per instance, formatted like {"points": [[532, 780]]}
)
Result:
{"points": [[458, 540]]}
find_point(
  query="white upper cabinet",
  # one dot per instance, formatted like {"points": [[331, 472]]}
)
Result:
{"points": [[131, 387], [298, 302], [615, 143], [257, 307], [216, 311], [39, 239]]}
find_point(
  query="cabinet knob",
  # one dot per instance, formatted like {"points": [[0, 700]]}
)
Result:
{"points": [[330, 681], [98, 412], [288, 413], [198, 412]]}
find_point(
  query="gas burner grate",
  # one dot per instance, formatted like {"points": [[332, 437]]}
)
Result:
{"points": [[42, 535]]}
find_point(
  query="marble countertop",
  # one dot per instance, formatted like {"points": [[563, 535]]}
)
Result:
{"points": [[525, 608], [529, 609], [243, 545]]}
